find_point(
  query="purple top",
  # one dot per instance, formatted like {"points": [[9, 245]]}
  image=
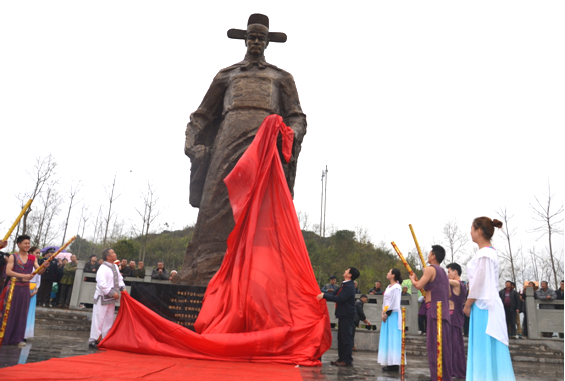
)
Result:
{"points": [[23, 268], [440, 293], [423, 310], [457, 319]]}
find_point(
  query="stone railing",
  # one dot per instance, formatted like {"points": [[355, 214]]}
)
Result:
{"points": [[543, 315], [84, 285]]}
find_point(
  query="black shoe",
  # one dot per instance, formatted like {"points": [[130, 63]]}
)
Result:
{"points": [[93, 345], [341, 363], [391, 368]]}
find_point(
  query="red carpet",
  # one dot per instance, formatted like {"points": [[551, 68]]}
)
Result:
{"points": [[261, 305], [114, 365]]}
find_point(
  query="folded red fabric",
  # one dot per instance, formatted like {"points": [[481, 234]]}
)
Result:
{"points": [[261, 305]]}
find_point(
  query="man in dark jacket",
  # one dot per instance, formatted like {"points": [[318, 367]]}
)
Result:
{"points": [[345, 311], [360, 312], [360, 316], [511, 303], [140, 272], [47, 279], [92, 266], [159, 273]]}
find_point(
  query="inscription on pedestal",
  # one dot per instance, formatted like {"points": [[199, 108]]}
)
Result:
{"points": [[177, 303]]}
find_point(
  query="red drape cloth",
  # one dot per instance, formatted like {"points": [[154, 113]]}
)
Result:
{"points": [[261, 305]]}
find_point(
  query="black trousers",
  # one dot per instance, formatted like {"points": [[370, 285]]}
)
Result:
{"points": [[44, 293], [422, 321], [66, 291], [345, 337], [466, 326], [510, 321]]}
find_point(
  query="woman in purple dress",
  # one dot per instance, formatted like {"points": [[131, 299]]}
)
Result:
{"points": [[20, 265]]}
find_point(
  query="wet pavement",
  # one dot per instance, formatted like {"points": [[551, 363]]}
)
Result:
{"points": [[49, 344]]}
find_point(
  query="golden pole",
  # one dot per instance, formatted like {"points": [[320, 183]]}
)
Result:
{"points": [[26, 206], [406, 264], [418, 247], [439, 344], [403, 352], [8, 305], [46, 262]]}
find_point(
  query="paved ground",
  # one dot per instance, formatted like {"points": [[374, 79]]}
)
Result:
{"points": [[59, 344]]}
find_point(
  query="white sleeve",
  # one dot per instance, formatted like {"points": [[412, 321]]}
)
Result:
{"points": [[395, 299], [38, 281], [483, 281]]}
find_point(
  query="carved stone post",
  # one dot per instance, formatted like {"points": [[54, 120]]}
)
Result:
{"points": [[532, 313], [412, 313], [148, 272], [77, 284]]}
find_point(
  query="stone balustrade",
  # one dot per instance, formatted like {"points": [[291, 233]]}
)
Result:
{"points": [[84, 285], [543, 315], [539, 319]]}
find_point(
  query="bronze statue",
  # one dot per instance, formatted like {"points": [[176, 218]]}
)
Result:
{"points": [[219, 132]]}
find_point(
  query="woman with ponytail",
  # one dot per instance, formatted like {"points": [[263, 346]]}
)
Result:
{"points": [[390, 341], [488, 357]]}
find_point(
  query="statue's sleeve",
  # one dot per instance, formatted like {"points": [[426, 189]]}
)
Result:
{"points": [[291, 111], [294, 118], [200, 134], [202, 128]]}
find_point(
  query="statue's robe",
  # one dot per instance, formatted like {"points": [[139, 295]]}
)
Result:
{"points": [[238, 100]]}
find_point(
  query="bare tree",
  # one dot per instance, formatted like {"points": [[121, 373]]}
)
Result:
{"points": [[43, 170], [303, 220], [41, 221], [523, 266], [148, 217], [549, 224], [72, 194], [111, 200], [508, 234], [362, 234], [535, 262], [117, 231], [97, 229], [83, 219], [454, 238]]}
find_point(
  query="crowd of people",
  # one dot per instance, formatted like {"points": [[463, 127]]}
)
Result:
{"points": [[493, 315], [52, 286], [476, 309]]}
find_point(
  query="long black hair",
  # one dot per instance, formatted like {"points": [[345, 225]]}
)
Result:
{"points": [[397, 276]]}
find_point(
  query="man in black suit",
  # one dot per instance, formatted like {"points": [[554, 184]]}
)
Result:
{"points": [[345, 311]]}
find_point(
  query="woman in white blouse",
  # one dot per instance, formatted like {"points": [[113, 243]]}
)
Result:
{"points": [[488, 357], [390, 341]]}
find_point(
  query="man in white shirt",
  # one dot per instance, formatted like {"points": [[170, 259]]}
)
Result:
{"points": [[109, 283]]}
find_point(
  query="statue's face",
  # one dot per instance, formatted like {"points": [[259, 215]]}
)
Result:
{"points": [[256, 39]]}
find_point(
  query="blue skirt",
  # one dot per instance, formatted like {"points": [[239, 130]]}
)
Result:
{"points": [[487, 358], [390, 341], [31, 318]]}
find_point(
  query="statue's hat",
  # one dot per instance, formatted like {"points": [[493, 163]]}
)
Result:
{"points": [[257, 18]]}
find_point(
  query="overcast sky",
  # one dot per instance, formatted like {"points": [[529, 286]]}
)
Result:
{"points": [[423, 112]]}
